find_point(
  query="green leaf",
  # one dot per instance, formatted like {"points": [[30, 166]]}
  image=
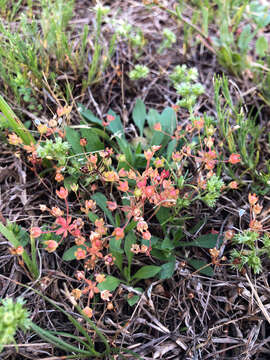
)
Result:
{"points": [[88, 115], [261, 46], [163, 214], [168, 120], [110, 284], [170, 148], [167, 244], [69, 254], [115, 126], [93, 140], [167, 269], [70, 180], [101, 201], [245, 38], [92, 217], [207, 241], [130, 239], [115, 245], [73, 138], [133, 300], [139, 115], [147, 272], [197, 264]]}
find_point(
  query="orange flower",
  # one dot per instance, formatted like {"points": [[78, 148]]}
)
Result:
{"points": [[123, 186], [100, 278], [90, 288], [19, 250], [229, 234], [118, 233], [142, 226], [233, 185], [76, 293], [105, 295], [62, 193], [51, 245], [252, 198], [109, 259], [110, 176], [57, 212], [112, 205], [80, 254], [135, 248], [13, 139], [234, 158], [88, 311], [148, 154], [157, 127], [35, 232], [146, 235], [59, 177], [83, 142]]}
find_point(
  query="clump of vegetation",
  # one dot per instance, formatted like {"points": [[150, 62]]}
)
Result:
{"points": [[12, 316]]}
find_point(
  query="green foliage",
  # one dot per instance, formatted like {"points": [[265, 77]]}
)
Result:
{"points": [[213, 188], [139, 72], [254, 247], [11, 121], [17, 238], [54, 150], [169, 39], [12, 317], [185, 83]]}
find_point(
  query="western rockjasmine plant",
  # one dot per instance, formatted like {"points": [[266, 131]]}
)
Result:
{"points": [[169, 39], [185, 82], [139, 72], [12, 317]]}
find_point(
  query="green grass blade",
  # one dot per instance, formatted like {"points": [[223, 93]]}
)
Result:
{"points": [[16, 125]]}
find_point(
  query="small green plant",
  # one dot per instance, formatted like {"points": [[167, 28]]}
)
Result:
{"points": [[125, 31], [12, 317], [186, 85], [168, 41], [139, 72], [153, 180], [19, 239], [11, 121], [54, 150], [254, 243]]}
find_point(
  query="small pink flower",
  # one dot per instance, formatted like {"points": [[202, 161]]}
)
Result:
{"points": [[88, 311], [123, 186], [112, 205], [146, 235], [234, 158], [119, 233], [35, 232], [105, 295], [80, 254], [62, 193], [51, 245], [157, 127]]}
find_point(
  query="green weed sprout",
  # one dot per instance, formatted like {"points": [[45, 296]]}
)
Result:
{"points": [[250, 253], [53, 150], [213, 187], [12, 317], [169, 40], [139, 72], [185, 83]]}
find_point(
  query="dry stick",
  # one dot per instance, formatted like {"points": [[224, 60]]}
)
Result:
{"points": [[260, 304]]}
